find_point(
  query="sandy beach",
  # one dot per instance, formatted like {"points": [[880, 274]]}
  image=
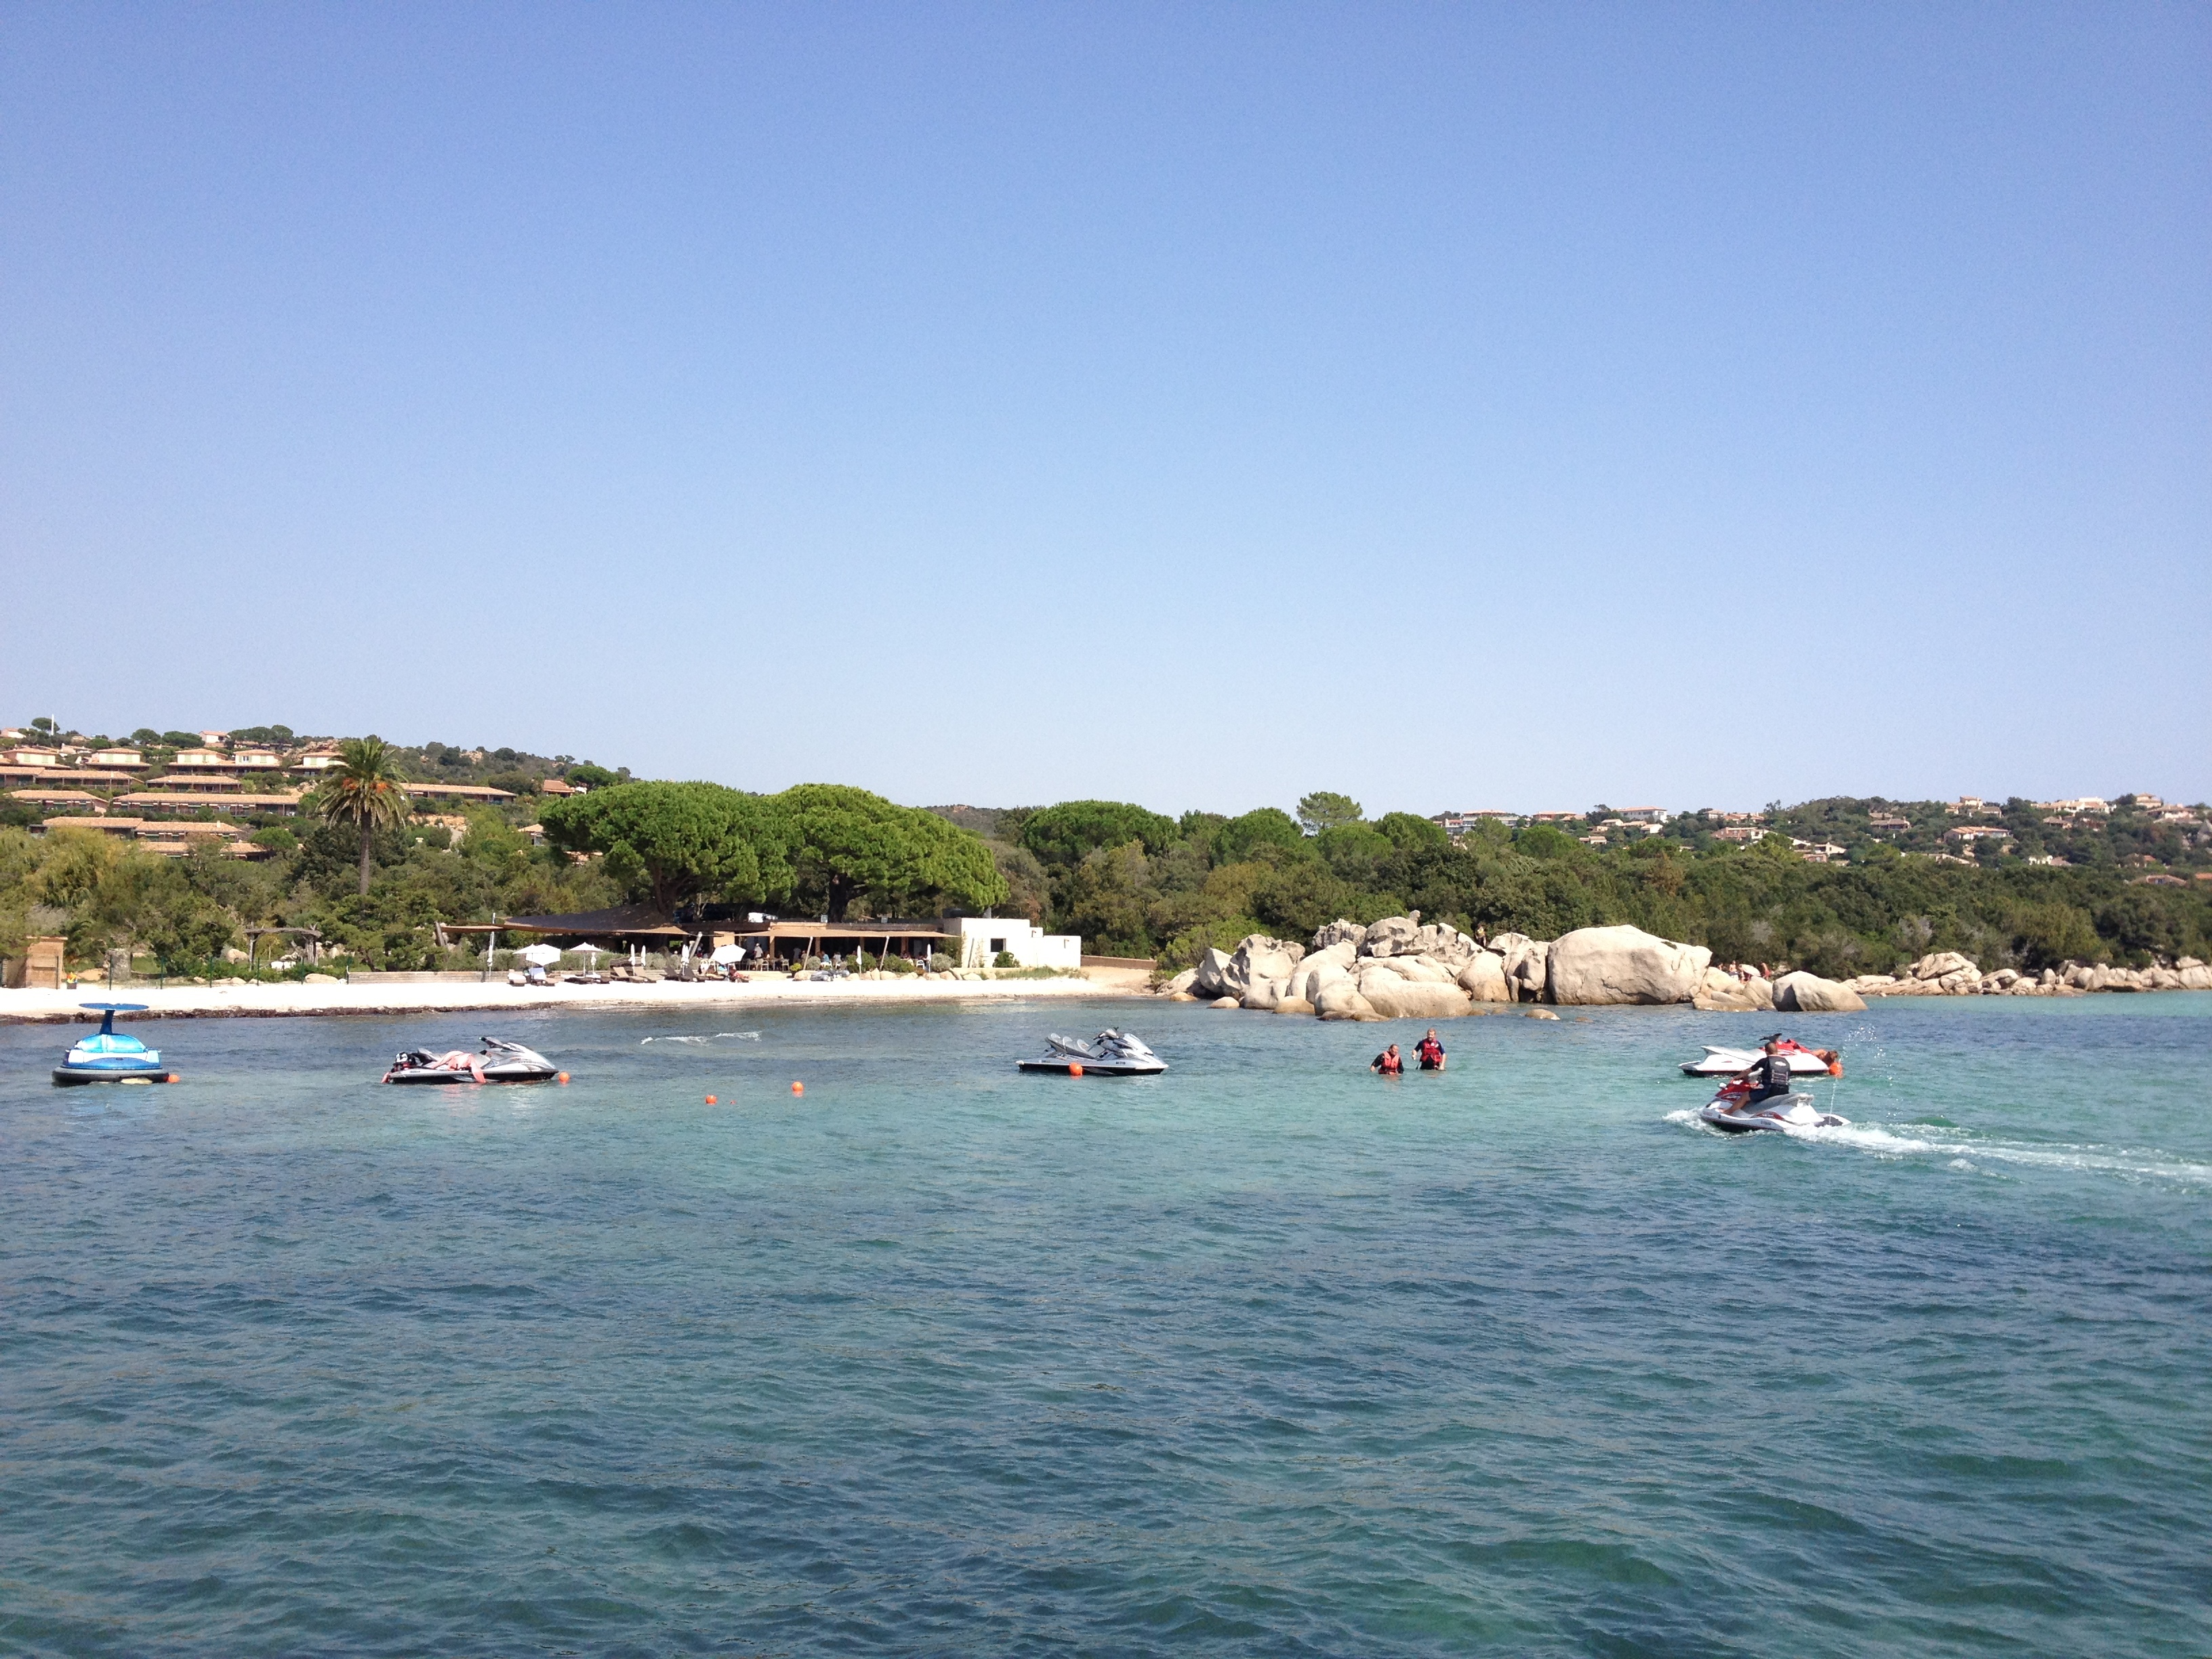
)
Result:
{"points": [[249, 1001]]}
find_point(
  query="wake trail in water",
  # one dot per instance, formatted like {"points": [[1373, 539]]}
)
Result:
{"points": [[1961, 1147], [734, 1036]]}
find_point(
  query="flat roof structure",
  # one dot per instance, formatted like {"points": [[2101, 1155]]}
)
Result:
{"points": [[190, 801], [458, 792]]}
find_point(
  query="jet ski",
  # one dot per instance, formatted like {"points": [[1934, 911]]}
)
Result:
{"points": [[1110, 1054], [502, 1062], [1804, 1061], [1790, 1111], [109, 1056]]}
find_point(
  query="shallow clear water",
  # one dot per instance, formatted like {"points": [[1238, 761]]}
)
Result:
{"points": [[1264, 1357]]}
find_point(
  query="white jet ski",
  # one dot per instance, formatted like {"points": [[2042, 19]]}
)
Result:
{"points": [[1110, 1054], [1790, 1111], [1804, 1061], [501, 1062]]}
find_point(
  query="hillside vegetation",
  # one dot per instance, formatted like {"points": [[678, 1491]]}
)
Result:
{"points": [[1129, 880]]}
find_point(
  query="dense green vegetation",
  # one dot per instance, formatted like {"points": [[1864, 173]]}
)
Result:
{"points": [[822, 848], [104, 893], [1112, 872], [375, 883], [2119, 886]]}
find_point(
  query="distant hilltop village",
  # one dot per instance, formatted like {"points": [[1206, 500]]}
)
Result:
{"points": [[1839, 830], [262, 774]]}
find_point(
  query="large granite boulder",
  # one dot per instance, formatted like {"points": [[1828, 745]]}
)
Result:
{"points": [[1939, 964], [1392, 936], [1258, 957], [1212, 974], [1600, 965], [1182, 981], [1418, 970], [1341, 1000], [1802, 993], [1341, 931], [1720, 992], [1441, 942], [1484, 978], [1410, 987], [1331, 962], [2195, 977], [1525, 961]]}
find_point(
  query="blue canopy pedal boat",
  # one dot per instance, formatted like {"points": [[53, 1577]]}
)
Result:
{"points": [[111, 1056]]}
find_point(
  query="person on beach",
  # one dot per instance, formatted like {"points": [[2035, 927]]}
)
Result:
{"points": [[1387, 1064], [1430, 1052]]}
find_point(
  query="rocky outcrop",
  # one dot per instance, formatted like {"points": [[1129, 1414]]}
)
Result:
{"points": [[1210, 978], [1411, 988], [1391, 936], [1341, 1000], [1330, 962], [1484, 978], [1523, 959], [1720, 992], [1261, 966], [1604, 966], [1808, 994], [1400, 967]]}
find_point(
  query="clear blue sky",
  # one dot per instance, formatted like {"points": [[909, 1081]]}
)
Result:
{"points": [[1457, 406]]}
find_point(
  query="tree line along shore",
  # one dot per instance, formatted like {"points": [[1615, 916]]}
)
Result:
{"points": [[375, 879]]}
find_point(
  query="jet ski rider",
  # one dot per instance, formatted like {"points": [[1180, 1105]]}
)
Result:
{"points": [[1770, 1078], [1430, 1052], [1387, 1064]]}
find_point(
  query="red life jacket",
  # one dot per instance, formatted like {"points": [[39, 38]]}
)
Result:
{"points": [[1389, 1065]]}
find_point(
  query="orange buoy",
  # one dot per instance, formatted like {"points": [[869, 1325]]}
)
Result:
{"points": [[561, 1076], [1075, 1068], [710, 1100], [174, 1078], [798, 1088]]}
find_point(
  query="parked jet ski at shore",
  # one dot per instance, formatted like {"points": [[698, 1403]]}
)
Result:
{"points": [[500, 1062], [1804, 1061], [1110, 1054], [111, 1056]]}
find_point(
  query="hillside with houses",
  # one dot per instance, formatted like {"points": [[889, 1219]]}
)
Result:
{"points": [[184, 848]]}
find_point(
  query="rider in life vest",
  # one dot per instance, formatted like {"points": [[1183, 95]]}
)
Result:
{"points": [[1387, 1064], [1767, 1079], [1430, 1052]]}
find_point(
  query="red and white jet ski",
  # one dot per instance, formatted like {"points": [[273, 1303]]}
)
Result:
{"points": [[1740, 1108], [1804, 1061]]}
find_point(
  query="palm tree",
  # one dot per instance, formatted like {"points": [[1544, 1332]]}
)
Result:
{"points": [[363, 789]]}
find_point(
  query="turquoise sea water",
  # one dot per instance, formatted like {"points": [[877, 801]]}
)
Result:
{"points": [[1264, 1357]]}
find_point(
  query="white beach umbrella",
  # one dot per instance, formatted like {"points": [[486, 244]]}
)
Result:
{"points": [[588, 950], [543, 955], [727, 954]]}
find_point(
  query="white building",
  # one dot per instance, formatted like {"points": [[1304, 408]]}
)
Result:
{"points": [[981, 938]]}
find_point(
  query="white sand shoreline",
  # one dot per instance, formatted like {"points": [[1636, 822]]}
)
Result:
{"points": [[296, 1001]]}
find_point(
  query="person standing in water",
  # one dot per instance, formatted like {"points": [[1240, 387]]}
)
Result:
{"points": [[1430, 1052], [1387, 1064]]}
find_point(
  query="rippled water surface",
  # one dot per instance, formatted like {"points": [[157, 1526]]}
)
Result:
{"points": [[1264, 1357]]}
